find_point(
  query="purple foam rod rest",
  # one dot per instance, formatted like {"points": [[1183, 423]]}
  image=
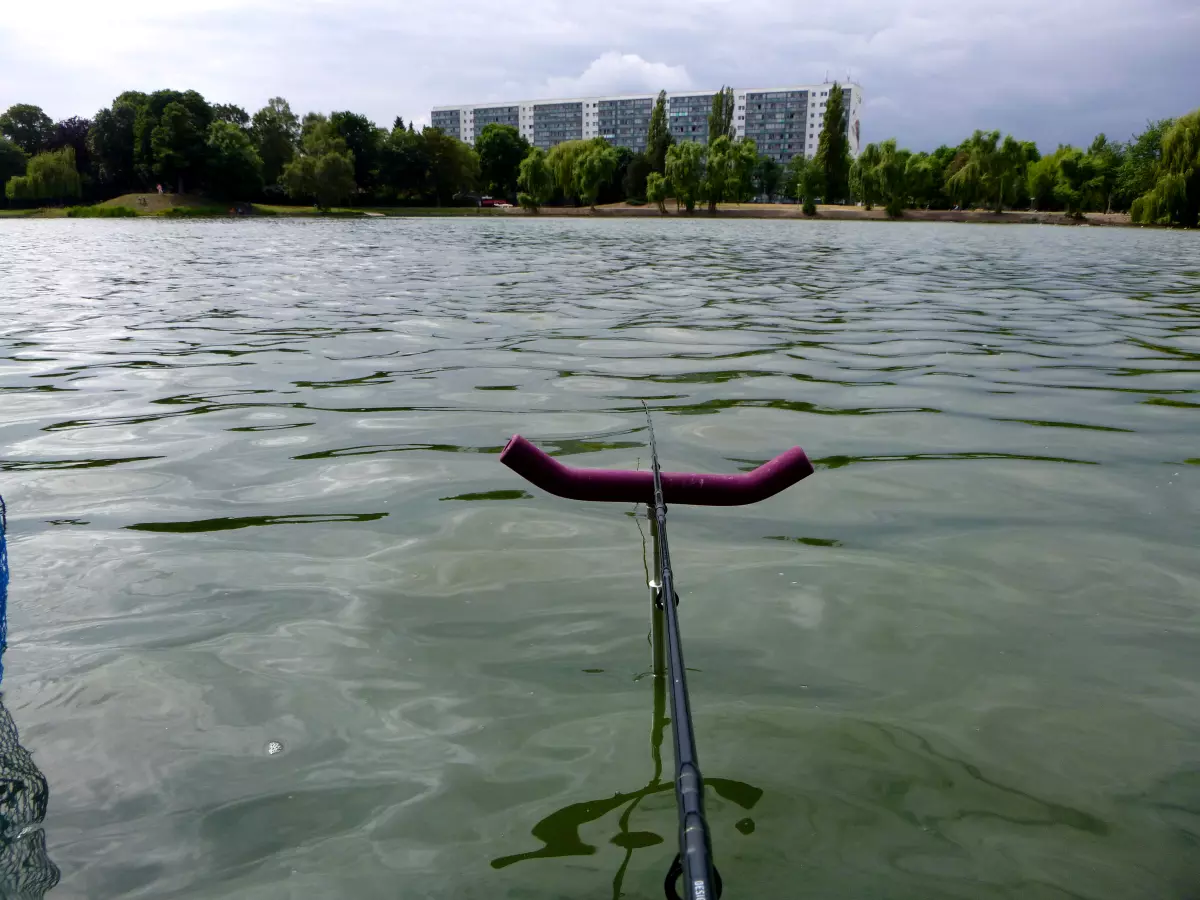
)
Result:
{"points": [[620, 486]]}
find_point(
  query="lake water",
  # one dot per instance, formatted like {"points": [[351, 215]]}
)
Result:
{"points": [[254, 496]]}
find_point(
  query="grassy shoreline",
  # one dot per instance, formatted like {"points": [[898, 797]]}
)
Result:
{"points": [[187, 206]]}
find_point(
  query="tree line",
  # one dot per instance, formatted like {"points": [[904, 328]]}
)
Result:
{"points": [[182, 142], [1155, 176]]}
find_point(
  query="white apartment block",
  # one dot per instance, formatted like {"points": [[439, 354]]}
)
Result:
{"points": [[784, 122]]}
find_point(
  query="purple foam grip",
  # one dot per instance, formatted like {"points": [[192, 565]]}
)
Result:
{"points": [[620, 486]]}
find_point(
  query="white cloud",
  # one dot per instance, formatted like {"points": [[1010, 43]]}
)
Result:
{"points": [[620, 73]]}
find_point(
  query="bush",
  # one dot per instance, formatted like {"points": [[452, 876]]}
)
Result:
{"points": [[894, 208], [809, 208], [101, 212], [526, 201]]}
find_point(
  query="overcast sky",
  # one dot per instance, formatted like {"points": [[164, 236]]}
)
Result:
{"points": [[932, 71]]}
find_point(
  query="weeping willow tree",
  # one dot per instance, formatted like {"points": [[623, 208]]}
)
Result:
{"points": [[863, 176], [880, 176], [534, 180], [593, 169], [50, 177], [975, 180], [1175, 197], [989, 172], [891, 177]]}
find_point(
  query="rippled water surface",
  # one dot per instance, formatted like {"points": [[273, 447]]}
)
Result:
{"points": [[254, 496]]}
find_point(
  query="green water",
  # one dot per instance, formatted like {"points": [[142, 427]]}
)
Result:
{"points": [[254, 496]]}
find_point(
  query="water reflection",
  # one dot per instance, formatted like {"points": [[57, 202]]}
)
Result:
{"points": [[559, 831]]}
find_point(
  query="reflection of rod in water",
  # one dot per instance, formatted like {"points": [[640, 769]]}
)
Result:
{"points": [[559, 831], [25, 869], [625, 838]]}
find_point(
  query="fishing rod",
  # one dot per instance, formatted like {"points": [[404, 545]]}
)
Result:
{"points": [[694, 861]]}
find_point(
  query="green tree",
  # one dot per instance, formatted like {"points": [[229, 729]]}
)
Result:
{"points": [[1077, 180], [744, 163], [768, 175], [12, 161], [891, 178], [718, 172], [1106, 156], [613, 191], [1175, 197], [880, 175], [112, 143], [323, 171], [535, 180], [940, 161], [49, 177], [976, 179], [1041, 177], [234, 166], [806, 180], [864, 177], [658, 138], [179, 145], [656, 191], [27, 126], [728, 171], [231, 113], [562, 160], [720, 119], [1139, 166], [501, 150], [403, 164], [1012, 171], [334, 179], [275, 130], [920, 176], [633, 182], [363, 138], [593, 169], [986, 171], [149, 116], [685, 169], [833, 147], [792, 173], [73, 133], [452, 166]]}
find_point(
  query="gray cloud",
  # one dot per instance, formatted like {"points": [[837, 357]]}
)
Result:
{"points": [[932, 71]]}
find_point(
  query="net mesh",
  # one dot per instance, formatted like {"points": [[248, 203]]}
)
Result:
{"points": [[26, 871]]}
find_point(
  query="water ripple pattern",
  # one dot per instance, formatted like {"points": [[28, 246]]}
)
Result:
{"points": [[254, 502]]}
